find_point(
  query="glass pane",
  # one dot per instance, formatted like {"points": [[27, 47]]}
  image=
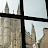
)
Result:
{"points": [[36, 34], [10, 33], [35, 8], [10, 6]]}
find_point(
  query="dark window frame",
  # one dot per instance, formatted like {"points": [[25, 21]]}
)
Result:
{"points": [[22, 17]]}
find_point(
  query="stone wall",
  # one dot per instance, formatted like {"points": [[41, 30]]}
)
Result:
{"points": [[44, 40]]}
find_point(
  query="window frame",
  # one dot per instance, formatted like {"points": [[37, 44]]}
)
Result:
{"points": [[22, 17]]}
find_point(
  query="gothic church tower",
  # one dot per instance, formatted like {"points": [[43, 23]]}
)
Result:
{"points": [[6, 8], [7, 29], [18, 9]]}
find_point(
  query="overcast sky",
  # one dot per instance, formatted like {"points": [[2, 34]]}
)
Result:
{"points": [[13, 5], [38, 27], [33, 8]]}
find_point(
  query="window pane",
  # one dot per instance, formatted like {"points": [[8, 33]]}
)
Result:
{"points": [[11, 32], [9, 6], [35, 8], [36, 34]]}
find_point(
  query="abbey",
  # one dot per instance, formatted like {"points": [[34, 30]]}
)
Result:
{"points": [[10, 33]]}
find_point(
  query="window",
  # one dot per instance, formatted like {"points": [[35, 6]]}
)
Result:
{"points": [[22, 17], [34, 8]]}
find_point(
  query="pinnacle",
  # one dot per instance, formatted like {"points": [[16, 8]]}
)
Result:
{"points": [[6, 5]]}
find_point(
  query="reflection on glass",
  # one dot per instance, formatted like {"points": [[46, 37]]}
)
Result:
{"points": [[36, 34], [10, 33], [9, 6], [35, 8]]}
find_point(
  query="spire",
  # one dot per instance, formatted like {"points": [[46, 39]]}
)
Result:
{"points": [[13, 11], [6, 8], [18, 9], [33, 29], [33, 35], [6, 5]]}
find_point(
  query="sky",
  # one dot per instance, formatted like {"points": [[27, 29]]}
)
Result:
{"points": [[33, 8], [38, 25], [13, 5]]}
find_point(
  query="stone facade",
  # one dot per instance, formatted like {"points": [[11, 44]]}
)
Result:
{"points": [[10, 32], [44, 40]]}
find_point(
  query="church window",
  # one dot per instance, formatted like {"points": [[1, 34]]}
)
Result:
{"points": [[20, 15]]}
